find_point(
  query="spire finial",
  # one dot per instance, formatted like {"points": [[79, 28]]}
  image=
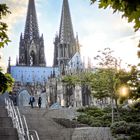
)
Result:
{"points": [[9, 65]]}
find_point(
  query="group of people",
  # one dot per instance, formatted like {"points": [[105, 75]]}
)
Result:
{"points": [[32, 100]]}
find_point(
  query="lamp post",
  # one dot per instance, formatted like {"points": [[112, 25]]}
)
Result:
{"points": [[112, 114]]}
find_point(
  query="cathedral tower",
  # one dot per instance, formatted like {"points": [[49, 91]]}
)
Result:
{"points": [[65, 45], [31, 46]]}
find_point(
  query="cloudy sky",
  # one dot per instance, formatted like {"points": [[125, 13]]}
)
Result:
{"points": [[97, 29]]}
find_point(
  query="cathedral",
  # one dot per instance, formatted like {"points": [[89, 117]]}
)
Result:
{"points": [[31, 72]]}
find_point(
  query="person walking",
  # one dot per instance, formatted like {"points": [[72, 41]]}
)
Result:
{"points": [[39, 101], [31, 101]]}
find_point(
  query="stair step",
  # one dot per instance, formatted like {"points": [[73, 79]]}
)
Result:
{"points": [[3, 112], [8, 132], [6, 122], [9, 137]]}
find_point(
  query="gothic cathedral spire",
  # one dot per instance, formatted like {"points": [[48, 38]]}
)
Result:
{"points": [[65, 43], [31, 47], [31, 27]]}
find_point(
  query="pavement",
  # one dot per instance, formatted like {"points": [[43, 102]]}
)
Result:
{"points": [[42, 121]]}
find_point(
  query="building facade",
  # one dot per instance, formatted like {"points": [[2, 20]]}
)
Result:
{"points": [[65, 44], [31, 46], [31, 72]]}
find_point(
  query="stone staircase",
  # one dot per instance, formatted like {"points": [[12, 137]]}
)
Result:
{"points": [[7, 132], [42, 120]]}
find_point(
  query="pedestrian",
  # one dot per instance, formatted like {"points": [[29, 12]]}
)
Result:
{"points": [[31, 101], [39, 101]]}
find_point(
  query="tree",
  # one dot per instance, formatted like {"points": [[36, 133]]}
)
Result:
{"points": [[4, 39], [6, 81], [108, 78], [70, 81], [134, 83], [129, 9]]}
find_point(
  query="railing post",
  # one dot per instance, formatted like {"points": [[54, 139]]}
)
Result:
{"points": [[27, 130], [13, 114], [20, 120]]}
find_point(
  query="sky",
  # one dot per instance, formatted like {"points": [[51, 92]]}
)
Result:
{"points": [[97, 29]]}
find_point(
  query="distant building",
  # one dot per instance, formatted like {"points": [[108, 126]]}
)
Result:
{"points": [[31, 46], [31, 65], [25, 74], [65, 44], [33, 76]]}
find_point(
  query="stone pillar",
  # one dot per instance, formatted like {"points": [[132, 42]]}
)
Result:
{"points": [[78, 96]]}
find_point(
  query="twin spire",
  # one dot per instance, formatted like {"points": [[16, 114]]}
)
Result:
{"points": [[66, 29], [31, 52]]}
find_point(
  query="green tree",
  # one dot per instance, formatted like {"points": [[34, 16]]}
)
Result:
{"points": [[108, 78], [70, 81], [130, 9], [6, 81], [134, 83], [4, 39]]}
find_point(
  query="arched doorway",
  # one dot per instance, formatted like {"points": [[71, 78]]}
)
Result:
{"points": [[23, 98], [32, 58]]}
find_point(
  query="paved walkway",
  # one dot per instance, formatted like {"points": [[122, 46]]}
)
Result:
{"points": [[42, 121]]}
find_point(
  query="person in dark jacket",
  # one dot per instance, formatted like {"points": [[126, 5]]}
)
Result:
{"points": [[39, 101], [31, 101]]}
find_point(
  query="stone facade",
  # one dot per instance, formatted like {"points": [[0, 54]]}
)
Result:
{"points": [[66, 96], [65, 44], [31, 70], [31, 46], [32, 75]]}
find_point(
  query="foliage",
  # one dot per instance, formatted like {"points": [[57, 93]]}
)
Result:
{"points": [[106, 59], [108, 78], [94, 117], [129, 129], [135, 136], [102, 83], [119, 127], [6, 81], [136, 105], [86, 78], [134, 83], [4, 10], [98, 117], [130, 9], [70, 80]]}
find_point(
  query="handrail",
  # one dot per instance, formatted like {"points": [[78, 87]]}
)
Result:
{"points": [[20, 120], [14, 113], [35, 133], [26, 126], [15, 119], [32, 137]]}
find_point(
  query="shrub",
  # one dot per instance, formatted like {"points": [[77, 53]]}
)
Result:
{"points": [[81, 110], [135, 136], [96, 123], [119, 127], [95, 113], [84, 119]]}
